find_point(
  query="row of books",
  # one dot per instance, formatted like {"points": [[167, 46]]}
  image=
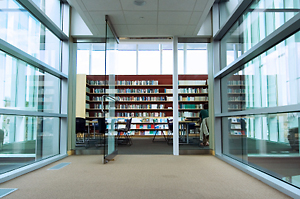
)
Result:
{"points": [[137, 82], [188, 90], [97, 82], [192, 82], [188, 114], [145, 126], [137, 90], [99, 106], [236, 82], [124, 82], [237, 98], [146, 132], [140, 114], [141, 106], [191, 106], [237, 106], [142, 98], [236, 90], [192, 98]]}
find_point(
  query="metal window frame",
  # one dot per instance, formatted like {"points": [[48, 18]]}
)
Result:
{"points": [[43, 18], [4, 111], [19, 54]]}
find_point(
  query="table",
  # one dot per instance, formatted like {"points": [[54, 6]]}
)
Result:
{"points": [[186, 124]]}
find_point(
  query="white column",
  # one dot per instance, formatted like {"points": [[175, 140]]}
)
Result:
{"points": [[175, 97]]}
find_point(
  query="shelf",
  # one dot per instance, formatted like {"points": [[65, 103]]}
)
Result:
{"points": [[192, 93], [143, 123], [142, 109], [189, 109], [149, 102], [193, 85], [236, 93], [237, 101], [143, 93], [235, 85], [193, 101], [238, 109]]}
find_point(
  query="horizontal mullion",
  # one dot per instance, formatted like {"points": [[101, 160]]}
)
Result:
{"points": [[287, 29], [43, 18], [261, 111], [19, 54], [29, 113]]}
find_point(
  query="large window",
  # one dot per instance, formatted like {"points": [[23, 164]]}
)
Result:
{"points": [[149, 59], [143, 58], [21, 29], [260, 93], [31, 112], [260, 20]]}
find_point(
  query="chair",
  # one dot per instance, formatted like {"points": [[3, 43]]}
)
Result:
{"points": [[170, 132], [127, 138], [100, 126], [156, 130], [1, 138], [80, 128]]}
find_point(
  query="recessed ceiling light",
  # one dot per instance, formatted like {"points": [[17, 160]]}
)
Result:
{"points": [[139, 2]]}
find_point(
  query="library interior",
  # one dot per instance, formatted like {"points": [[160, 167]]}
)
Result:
{"points": [[139, 77]]}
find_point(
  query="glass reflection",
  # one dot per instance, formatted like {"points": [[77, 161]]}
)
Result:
{"points": [[19, 28], [25, 139], [24, 87], [272, 79], [268, 142], [260, 20]]}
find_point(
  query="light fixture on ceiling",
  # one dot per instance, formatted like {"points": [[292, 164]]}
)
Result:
{"points": [[139, 2]]}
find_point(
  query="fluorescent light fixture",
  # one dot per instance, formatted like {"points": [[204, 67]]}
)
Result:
{"points": [[139, 2]]}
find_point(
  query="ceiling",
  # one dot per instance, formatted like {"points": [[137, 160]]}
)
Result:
{"points": [[157, 18]]}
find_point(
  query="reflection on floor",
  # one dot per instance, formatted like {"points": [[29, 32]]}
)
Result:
{"points": [[147, 147]]}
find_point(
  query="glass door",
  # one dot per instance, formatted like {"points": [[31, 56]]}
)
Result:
{"points": [[110, 149]]}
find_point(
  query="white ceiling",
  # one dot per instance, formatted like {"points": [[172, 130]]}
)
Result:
{"points": [[157, 18]]}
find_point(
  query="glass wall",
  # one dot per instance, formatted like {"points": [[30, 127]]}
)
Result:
{"points": [[27, 139], [260, 20], [52, 8], [268, 142], [30, 94], [259, 112], [271, 79]]}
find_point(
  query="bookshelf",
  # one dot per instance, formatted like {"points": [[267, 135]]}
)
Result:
{"points": [[146, 96], [236, 93]]}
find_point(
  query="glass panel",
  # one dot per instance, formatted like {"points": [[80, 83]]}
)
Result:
{"points": [[24, 87], [260, 20], [126, 59], [52, 8], [21, 29], [91, 58], [167, 58], [272, 79], [149, 59], [26, 139], [111, 55], [196, 58], [267, 142]]}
